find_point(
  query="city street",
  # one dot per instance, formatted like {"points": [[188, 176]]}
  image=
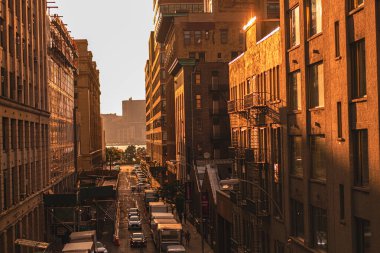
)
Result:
{"points": [[128, 200]]}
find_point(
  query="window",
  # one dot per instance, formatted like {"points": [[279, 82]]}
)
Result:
{"points": [[273, 9], [341, 202], [296, 155], [363, 235], [13, 134], [187, 37], [295, 91], [192, 55], [316, 88], [202, 56], [234, 54], [315, 14], [339, 118], [224, 36], [215, 80], [319, 228], [356, 3], [297, 214], [5, 134], [277, 169], [358, 75], [274, 83], [337, 46], [294, 18], [318, 158], [361, 167], [279, 247], [20, 134], [198, 37], [199, 125], [6, 189], [197, 78], [198, 102]]}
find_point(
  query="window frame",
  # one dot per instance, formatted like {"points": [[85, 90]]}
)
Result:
{"points": [[318, 18], [361, 177], [358, 62], [295, 76], [316, 173], [294, 29], [320, 87]]}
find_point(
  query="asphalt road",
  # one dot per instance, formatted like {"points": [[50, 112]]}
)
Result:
{"points": [[128, 200]]}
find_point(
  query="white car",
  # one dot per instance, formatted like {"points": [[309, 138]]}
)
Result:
{"points": [[134, 222], [101, 248]]}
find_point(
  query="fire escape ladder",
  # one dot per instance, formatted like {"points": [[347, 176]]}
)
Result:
{"points": [[60, 221], [106, 211], [257, 235]]}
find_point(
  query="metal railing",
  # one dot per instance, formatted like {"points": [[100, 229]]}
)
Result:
{"points": [[255, 99]]}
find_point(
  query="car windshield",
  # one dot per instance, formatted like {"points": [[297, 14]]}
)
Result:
{"points": [[138, 235], [134, 218], [99, 245], [133, 210]]}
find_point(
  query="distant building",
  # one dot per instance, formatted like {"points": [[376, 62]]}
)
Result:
{"points": [[128, 128], [134, 115], [87, 100]]}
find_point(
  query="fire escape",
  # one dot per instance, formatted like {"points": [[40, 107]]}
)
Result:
{"points": [[251, 196]]}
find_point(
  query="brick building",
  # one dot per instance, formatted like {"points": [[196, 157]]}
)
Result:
{"points": [[87, 101], [24, 128], [255, 106], [331, 59]]}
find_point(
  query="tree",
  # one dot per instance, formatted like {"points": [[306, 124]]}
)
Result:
{"points": [[113, 154], [140, 154], [130, 153]]}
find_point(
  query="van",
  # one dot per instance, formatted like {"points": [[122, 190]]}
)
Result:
{"points": [[79, 247], [83, 236], [175, 249]]}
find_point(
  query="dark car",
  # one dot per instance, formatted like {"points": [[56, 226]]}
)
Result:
{"points": [[137, 240]]}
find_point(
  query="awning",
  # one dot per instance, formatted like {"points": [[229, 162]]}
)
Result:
{"points": [[32, 244]]}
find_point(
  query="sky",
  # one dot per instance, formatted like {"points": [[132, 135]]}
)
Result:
{"points": [[117, 32]]}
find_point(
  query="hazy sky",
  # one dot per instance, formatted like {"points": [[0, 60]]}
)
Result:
{"points": [[117, 31]]}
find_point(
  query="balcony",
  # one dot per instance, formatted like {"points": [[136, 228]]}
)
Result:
{"points": [[254, 100], [234, 106], [257, 207]]}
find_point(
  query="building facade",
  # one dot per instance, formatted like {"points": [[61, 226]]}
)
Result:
{"points": [[255, 106], [331, 59], [134, 116], [87, 101], [62, 60], [24, 110], [159, 149]]}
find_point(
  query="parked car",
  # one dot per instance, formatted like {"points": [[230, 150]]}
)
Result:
{"points": [[101, 248], [133, 212], [142, 186], [137, 240], [134, 222]]}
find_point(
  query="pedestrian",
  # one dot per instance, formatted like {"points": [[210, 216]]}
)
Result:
{"points": [[187, 237]]}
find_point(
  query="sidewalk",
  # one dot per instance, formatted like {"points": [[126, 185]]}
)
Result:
{"points": [[195, 244]]}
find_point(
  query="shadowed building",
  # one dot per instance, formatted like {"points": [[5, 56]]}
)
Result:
{"points": [[87, 100], [134, 116], [24, 122]]}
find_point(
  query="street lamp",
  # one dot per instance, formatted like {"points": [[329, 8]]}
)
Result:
{"points": [[278, 209]]}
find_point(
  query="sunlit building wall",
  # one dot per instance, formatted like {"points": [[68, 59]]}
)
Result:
{"points": [[62, 54]]}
